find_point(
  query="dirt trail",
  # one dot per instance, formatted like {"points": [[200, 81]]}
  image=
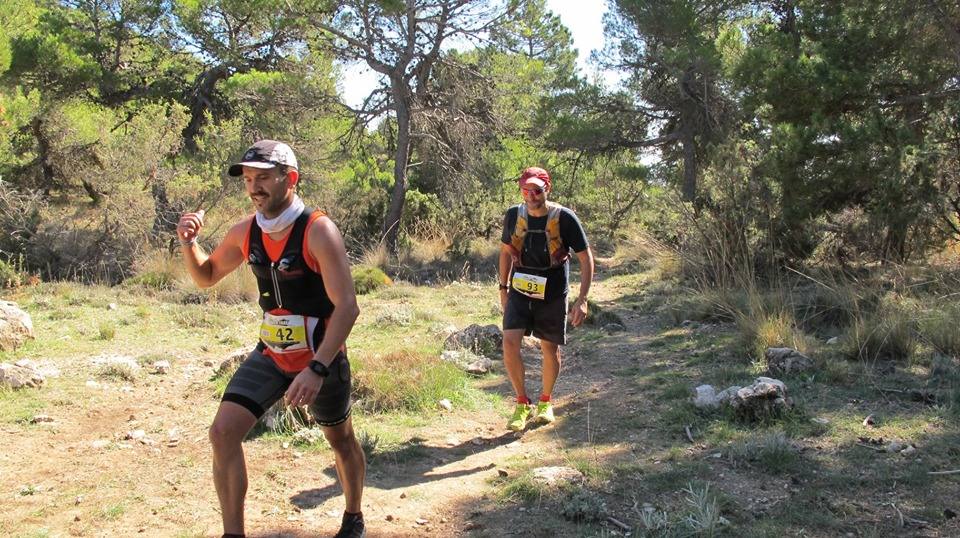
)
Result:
{"points": [[80, 476]]}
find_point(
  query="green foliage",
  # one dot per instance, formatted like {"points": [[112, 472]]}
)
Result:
{"points": [[10, 276], [771, 450], [408, 382], [885, 335], [367, 278], [939, 328], [582, 505]]}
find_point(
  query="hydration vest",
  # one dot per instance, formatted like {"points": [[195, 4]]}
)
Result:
{"points": [[558, 253], [288, 285]]}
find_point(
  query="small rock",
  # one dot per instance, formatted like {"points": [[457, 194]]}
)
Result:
{"points": [[208, 363], [552, 475], [76, 518], [403, 495], [389, 517], [446, 404], [949, 514], [477, 441], [135, 435], [503, 473], [870, 421], [41, 418], [910, 449], [895, 446], [78, 500], [821, 420], [100, 443], [421, 521], [785, 360], [705, 397], [161, 367], [479, 366], [112, 306]]}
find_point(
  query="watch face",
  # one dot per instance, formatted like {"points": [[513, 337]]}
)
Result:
{"points": [[319, 369]]}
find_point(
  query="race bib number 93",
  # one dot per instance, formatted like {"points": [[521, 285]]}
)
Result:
{"points": [[530, 285]]}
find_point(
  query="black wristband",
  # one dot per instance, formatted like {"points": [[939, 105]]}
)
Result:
{"points": [[504, 287], [318, 368]]}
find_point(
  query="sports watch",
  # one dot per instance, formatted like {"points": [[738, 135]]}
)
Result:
{"points": [[318, 368]]}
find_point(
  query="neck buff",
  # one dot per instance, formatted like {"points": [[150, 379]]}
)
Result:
{"points": [[284, 219]]}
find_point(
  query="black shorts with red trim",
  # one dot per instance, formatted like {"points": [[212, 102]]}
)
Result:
{"points": [[258, 383]]}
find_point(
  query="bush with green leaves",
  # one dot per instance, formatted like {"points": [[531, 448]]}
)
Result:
{"points": [[367, 278], [581, 504], [10, 277]]}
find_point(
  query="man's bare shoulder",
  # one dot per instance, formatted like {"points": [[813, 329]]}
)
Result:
{"points": [[239, 230], [323, 231]]}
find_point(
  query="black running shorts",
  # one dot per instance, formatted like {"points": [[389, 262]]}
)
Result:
{"points": [[258, 384], [547, 320]]}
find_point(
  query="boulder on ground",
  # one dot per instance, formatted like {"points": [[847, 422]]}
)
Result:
{"points": [[16, 326], [785, 360], [467, 361], [480, 366], [16, 377], [481, 339], [557, 475], [232, 360], [765, 398], [706, 397]]}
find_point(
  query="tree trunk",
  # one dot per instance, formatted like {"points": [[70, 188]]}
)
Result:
{"points": [[201, 101], [688, 143], [48, 177], [391, 225]]}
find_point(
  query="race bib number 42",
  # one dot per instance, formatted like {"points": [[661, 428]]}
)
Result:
{"points": [[283, 333], [530, 285]]}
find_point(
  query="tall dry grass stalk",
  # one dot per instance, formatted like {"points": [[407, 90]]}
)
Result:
{"points": [[376, 256]]}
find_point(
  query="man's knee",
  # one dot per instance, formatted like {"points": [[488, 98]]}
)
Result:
{"points": [[223, 436], [512, 338], [342, 439], [230, 426]]}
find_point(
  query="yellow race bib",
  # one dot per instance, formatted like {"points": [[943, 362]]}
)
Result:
{"points": [[532, 286], [284, 333]]}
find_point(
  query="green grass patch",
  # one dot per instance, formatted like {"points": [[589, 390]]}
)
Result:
{"points": [[408, 381], [19, 405], [771, 451]]}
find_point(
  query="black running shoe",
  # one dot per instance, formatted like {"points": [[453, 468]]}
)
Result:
{"points": [[352, 527]]}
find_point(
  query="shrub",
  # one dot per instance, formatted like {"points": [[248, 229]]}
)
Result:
{"points": [[107, 331], [581, 504], [772, 451], [761, 330], [601, 317], [939, 328], [9, 275], [880, 337], [407, 381], [367, 278]]}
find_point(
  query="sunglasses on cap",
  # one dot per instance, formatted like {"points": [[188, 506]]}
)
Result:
{"points": [[535, 191]]}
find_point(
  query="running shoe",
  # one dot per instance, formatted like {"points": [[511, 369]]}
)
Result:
{"points": [[545, 413], [519, 419], [352, 527]]}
